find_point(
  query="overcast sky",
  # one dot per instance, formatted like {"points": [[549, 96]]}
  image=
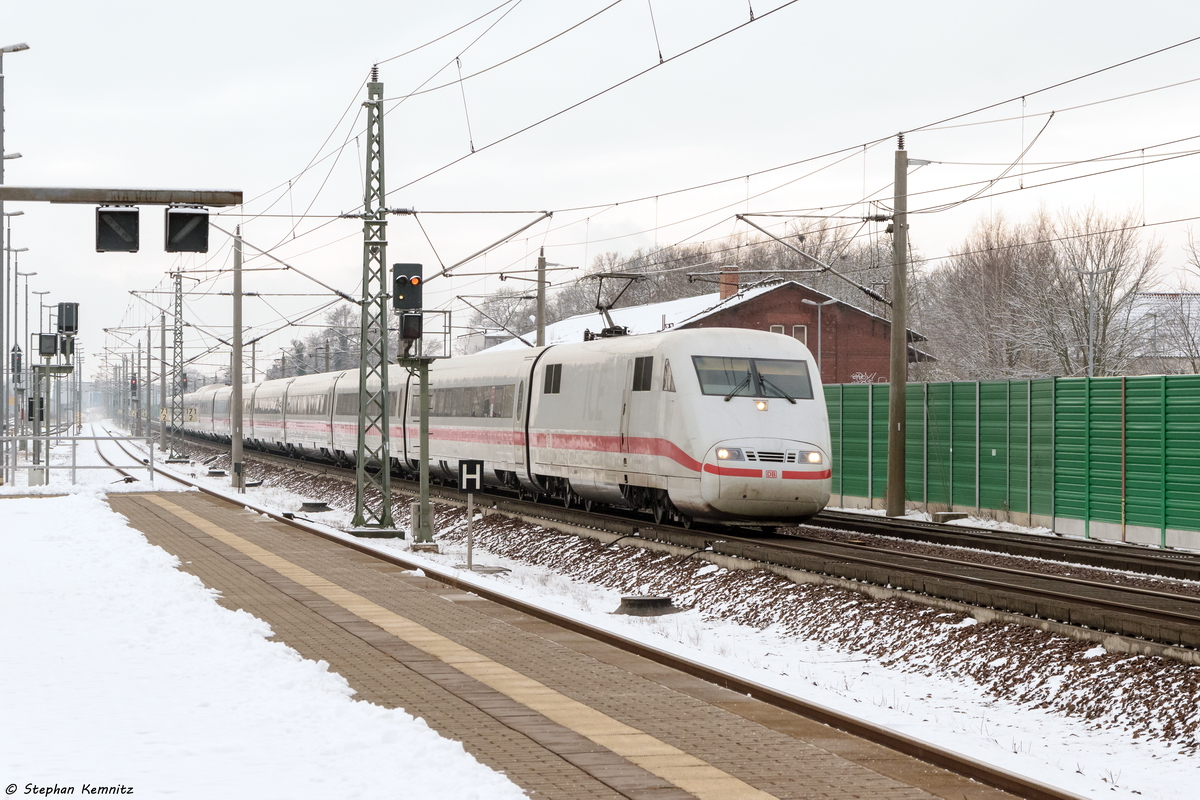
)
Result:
{"points": [[265, 97]]}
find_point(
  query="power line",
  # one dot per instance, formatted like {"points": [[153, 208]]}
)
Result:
{"points": [[1083, 235], [447, 35], [418, 92], [1060, 84], [591, 97]]}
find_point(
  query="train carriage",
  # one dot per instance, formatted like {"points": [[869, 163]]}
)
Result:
{"points": [[308, 408], [269, 399], [198, 411], [343, 387], [221, 422], [476, 411]]}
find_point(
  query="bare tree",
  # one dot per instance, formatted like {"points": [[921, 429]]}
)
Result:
{"points": [[976, 314], [1081, 309], [510, 309], [1051, 296]]}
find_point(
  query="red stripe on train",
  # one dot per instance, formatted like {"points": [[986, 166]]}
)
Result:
{"points": [[808, 476], [733, 471]]}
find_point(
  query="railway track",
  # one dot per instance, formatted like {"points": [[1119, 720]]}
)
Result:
{"points": [[1088, 552], [1092, 606], [946, 759]]}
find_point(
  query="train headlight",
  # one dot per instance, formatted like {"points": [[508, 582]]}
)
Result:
{"points": [[730, 454], [761, 405], [810, 457]]}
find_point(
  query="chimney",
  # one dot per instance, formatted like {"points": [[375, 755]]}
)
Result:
{"points": [[729, 282]]}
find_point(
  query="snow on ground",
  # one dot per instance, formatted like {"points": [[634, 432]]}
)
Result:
{"points": [[1063, 712], [120, 670]]}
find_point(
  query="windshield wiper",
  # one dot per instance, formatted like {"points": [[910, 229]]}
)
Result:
{"points": [[738, 388], [782, 393]]}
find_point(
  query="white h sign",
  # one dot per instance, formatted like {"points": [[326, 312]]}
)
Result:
{"points": [[470, 475]]}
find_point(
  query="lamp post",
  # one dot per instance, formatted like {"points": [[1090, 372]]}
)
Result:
{"points": [[1091, 339], [29, 333], [1154, 340], [34, 385], [6, 382], [829, 302], [17, 337]]}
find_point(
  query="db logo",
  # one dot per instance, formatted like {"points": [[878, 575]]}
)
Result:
{"points": [[771, 473]]}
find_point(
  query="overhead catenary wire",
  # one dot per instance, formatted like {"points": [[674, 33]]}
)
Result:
{"points": [[510, 59], [317, 157], [654, 27], [446, 35], [589, 98]]}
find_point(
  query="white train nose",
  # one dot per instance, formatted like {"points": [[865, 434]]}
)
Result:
{"points": [[766, 476]]}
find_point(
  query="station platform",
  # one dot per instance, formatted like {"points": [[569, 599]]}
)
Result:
{"points": [[563, 716]]}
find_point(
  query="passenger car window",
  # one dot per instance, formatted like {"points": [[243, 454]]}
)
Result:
{"points": [[553, 382], [643, 370]]}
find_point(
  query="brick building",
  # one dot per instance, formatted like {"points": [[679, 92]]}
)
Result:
{"points": [[853, 345]]}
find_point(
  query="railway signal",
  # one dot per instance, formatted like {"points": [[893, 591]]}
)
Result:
{"points": [[410, 327], [186, 230], [68, 318], [116, 229], [407, 283], [47, 344]]}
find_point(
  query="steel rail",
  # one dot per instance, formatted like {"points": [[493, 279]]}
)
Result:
{"points": [[1049, 594], [1093, 552]]}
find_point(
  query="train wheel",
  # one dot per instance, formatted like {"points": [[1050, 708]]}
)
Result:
{"points": [[685, 521], [587, 505], [658, 507], [567, 497]]}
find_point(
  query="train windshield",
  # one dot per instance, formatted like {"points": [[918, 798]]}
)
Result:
{"points": [[753, 377]]}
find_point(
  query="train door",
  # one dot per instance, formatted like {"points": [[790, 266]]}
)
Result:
{"points": [[248, 410], [405, 418], [626, 400], [518, 439], [412, 444]]}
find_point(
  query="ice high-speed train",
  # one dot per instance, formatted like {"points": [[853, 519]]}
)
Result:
{"points": [[719, 423]]}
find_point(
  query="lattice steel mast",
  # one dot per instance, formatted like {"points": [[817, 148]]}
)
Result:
{"points": [[177, 374], [374, 509]]}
